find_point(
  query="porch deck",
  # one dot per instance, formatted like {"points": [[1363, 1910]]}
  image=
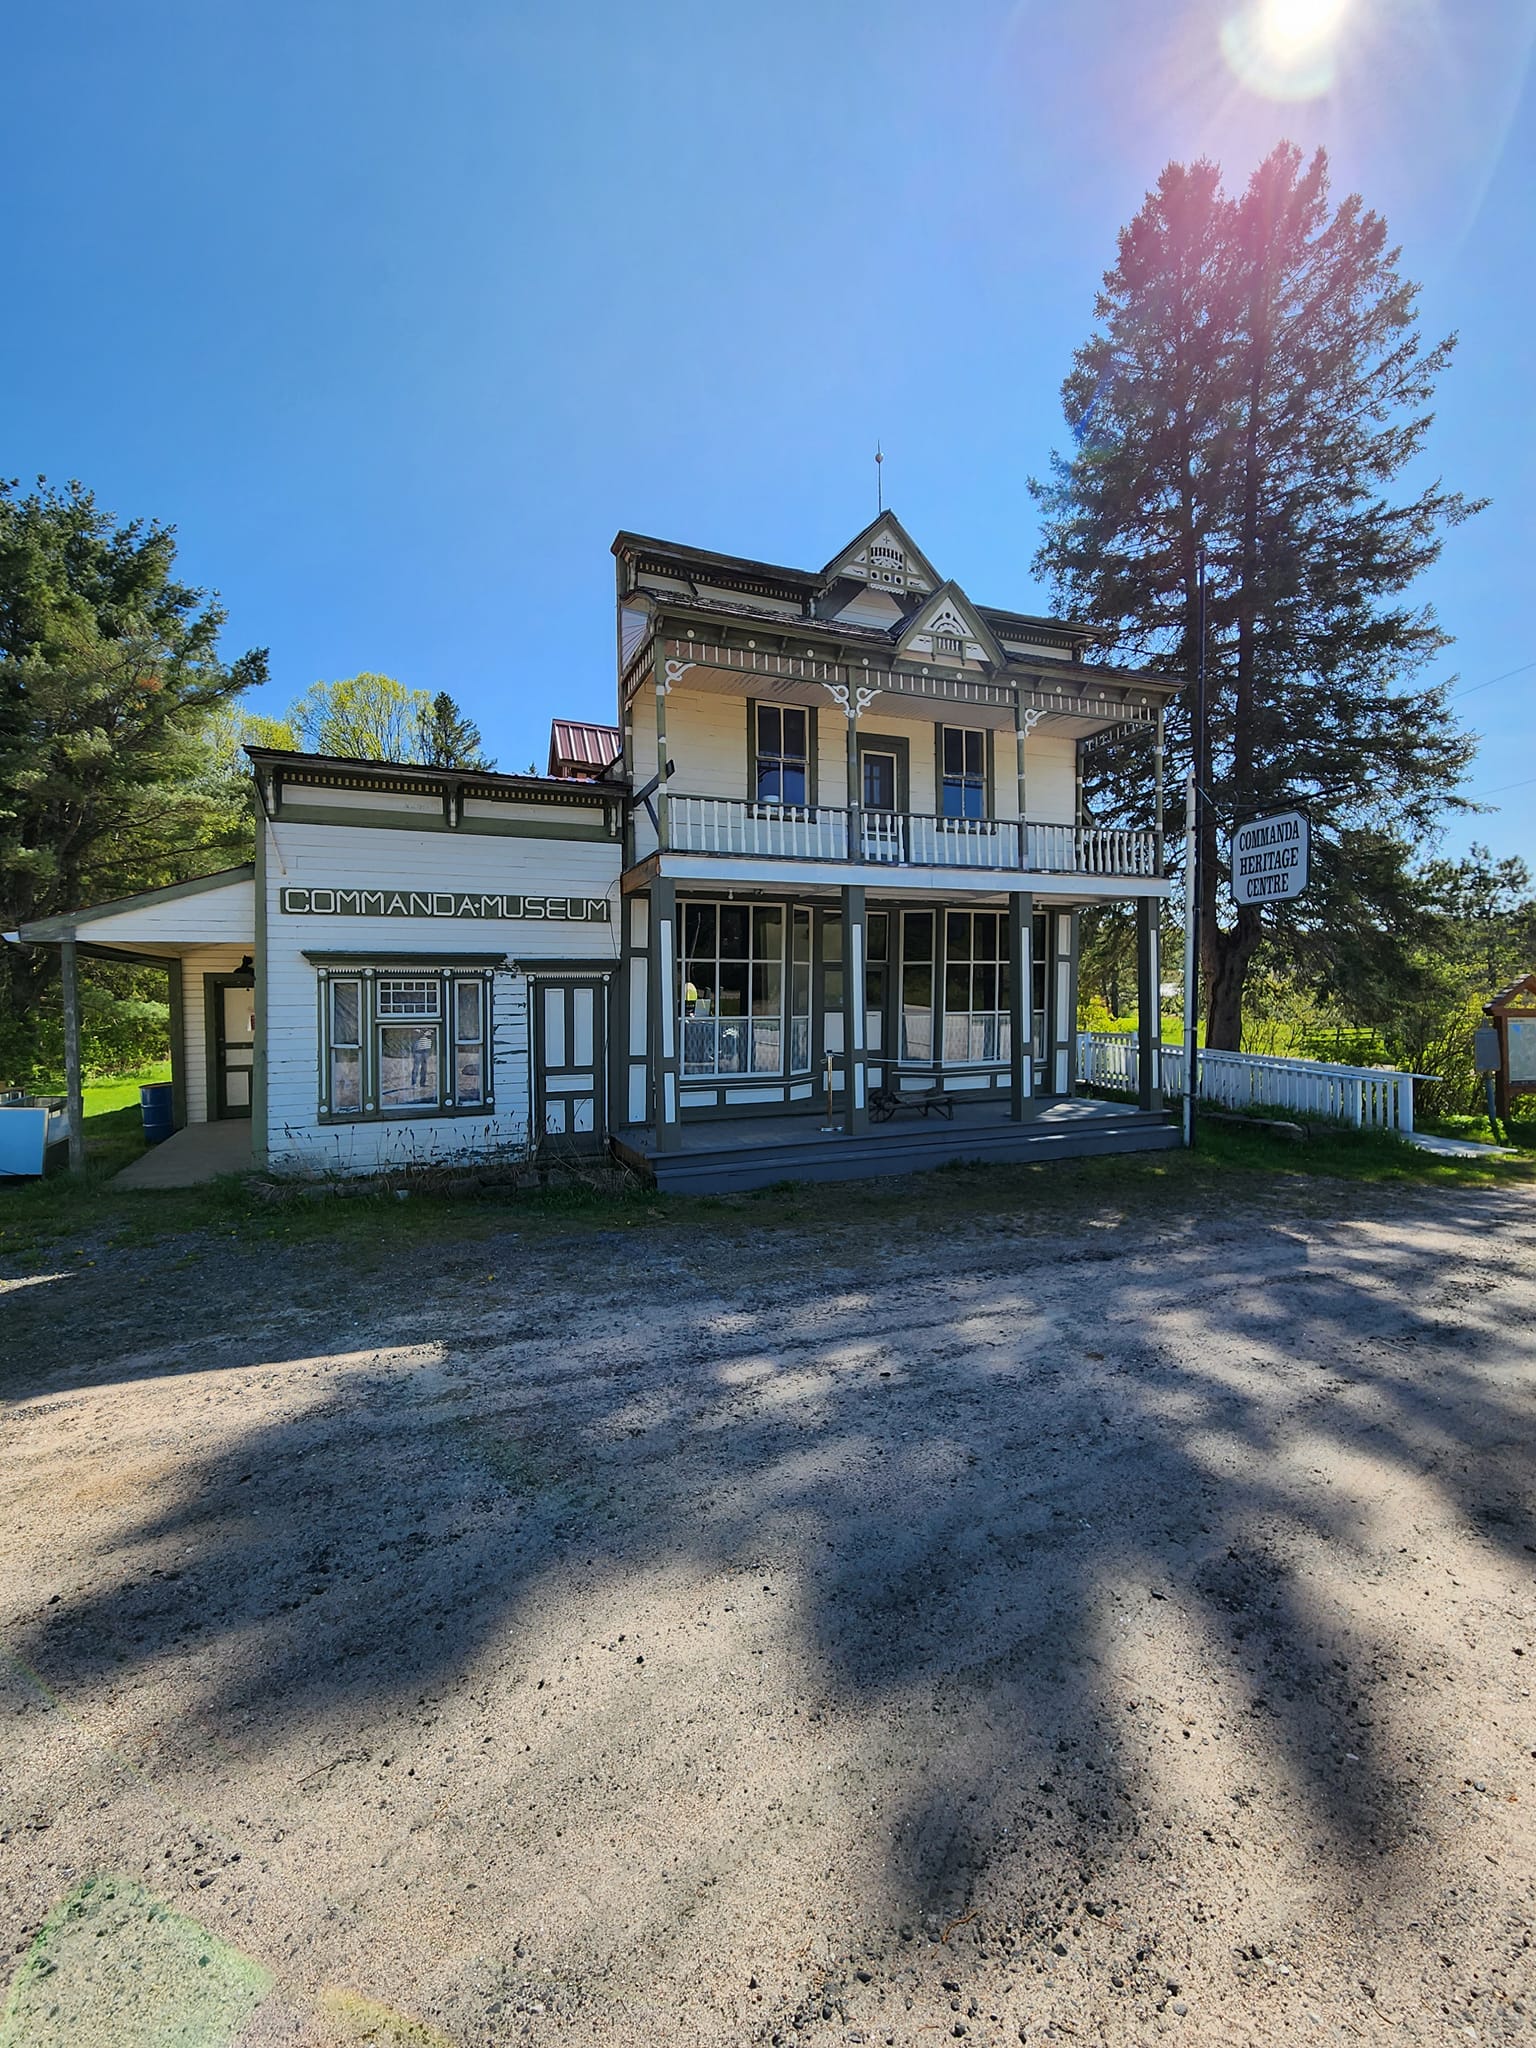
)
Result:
{"points": [[191, 1156], [754, 1152]]}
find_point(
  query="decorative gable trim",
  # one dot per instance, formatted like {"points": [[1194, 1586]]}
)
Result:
{"points": [[949, 628], [885, 557]]}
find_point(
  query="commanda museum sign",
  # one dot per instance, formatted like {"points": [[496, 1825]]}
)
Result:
{"points": [[455, 903]]}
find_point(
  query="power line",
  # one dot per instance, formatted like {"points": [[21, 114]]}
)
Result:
{"points": [[1470, 689], [1479, 794]]}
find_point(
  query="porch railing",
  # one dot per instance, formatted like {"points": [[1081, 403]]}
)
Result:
{"points": [[1372, 1098], [710, 824]]}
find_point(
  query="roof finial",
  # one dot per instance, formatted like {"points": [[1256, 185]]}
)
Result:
{"points": [[879, 482]]}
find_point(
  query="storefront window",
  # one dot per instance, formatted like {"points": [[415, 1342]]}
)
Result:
{"points": [[800, 992], [733, 988], [976, 1022], [917, 985], [405, 1043]]}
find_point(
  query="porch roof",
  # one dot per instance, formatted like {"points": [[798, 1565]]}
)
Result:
{"points": [[158, 924]]}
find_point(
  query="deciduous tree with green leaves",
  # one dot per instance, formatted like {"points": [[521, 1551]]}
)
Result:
{"points": [[111, 680], [1253, 392]]}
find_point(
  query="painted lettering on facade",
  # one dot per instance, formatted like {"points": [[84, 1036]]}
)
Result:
{"points": [[482, 905]]}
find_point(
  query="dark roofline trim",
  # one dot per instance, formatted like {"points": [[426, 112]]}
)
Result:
{"points": [[405, 778]]}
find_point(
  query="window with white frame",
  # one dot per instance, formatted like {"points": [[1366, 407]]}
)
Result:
{"points": [[962, 772], [800, 992], [976, 1018], [733, 988], [412, 1042]]}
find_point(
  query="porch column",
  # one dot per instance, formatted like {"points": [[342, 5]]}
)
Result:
{"points": [[855, 791], [1021, 1068], [662, 686], [855, 1062], [69, 983], [1149, 1028], [662, 978], [1063, 996]]}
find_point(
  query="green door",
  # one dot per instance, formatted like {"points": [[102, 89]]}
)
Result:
{"points": [[231, 1009]]}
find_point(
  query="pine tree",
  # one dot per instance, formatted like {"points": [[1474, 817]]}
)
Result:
{"points": [[1255, 384], [447, 738], [111, 683]]}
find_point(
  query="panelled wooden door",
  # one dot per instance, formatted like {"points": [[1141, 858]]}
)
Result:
{"points": [[568, 1063], [231, 1000]]}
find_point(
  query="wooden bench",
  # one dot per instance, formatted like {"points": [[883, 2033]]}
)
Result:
{"points": [[884, 1103]]}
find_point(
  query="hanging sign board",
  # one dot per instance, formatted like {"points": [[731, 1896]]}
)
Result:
{"points": [[1269, 858]]}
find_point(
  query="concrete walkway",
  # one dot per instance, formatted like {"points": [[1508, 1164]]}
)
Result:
{"points": [[1457, 1148], [197, 1153]]}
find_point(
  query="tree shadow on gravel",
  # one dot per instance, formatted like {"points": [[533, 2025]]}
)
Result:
{"points": [[993, 1498]]}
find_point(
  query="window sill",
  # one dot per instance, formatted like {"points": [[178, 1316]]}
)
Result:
{"points": [[406, 1116]]}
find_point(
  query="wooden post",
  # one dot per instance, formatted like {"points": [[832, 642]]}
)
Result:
{"points": [[1020, 736], [855, 791], [662, 686], [855, 1070], [69, 979], [1021, 1007], [662, 976], [1158, 765], [1149, 1028]]}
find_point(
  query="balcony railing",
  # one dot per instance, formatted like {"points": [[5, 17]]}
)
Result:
{"points": [[711, 824]]}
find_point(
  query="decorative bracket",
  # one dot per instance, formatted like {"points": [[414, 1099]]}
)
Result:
{"points": [[675, 671], [1030, 716], [852, 701]]}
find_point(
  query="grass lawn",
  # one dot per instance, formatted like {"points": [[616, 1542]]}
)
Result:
{"points": [[37, 1214]]}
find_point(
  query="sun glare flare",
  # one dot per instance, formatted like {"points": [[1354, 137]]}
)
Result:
{"points": [[1285, 49], [1294, 28]]}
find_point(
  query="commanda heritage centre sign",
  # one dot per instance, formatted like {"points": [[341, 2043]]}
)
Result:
{"points": [[1269, 858], [452, 903]]}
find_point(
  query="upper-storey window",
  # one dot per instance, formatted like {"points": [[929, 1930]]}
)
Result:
{"points": [[783, 754], [962, 772]]}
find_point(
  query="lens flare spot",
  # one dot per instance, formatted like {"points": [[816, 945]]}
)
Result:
{"points": [[1285, 49]]}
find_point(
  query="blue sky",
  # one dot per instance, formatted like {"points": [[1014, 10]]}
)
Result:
{"points": [[400, 311]]}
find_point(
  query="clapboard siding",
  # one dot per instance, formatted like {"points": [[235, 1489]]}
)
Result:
{"points": [[194, 965], [222, 916], [316, 856]]}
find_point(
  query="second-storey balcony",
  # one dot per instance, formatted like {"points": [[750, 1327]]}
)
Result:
{"points": [[775, 831]]}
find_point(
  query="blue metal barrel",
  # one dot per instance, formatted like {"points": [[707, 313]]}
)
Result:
{"points": [[158, 1104]]}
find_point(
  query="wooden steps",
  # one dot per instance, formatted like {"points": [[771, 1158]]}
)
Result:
{"points": [[703, 1169]]}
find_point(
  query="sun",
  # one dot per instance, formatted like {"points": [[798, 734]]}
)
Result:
{"points": [[1286, 49], [1295, 28]]}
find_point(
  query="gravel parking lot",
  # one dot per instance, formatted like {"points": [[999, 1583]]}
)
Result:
{"points": [[1100, 1622]]}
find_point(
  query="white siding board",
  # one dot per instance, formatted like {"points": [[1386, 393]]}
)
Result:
{"points": [[222, 916], [194, 965]]}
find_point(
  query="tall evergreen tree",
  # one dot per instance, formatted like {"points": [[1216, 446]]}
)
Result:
{"points": [[110, 682], [1255, 386], [449, 739]]}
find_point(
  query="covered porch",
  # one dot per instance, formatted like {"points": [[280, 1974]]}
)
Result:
{"points": [[726, 1156]]}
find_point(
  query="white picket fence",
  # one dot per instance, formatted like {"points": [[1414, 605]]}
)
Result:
{"points": [[1371, 1098]]}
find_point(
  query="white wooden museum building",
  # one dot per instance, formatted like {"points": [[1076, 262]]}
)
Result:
{"points": [[807, 908]]}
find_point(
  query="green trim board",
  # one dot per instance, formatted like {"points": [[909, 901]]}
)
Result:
{"points": [[259, 1146], [397, 963], [429, 821], [176, 1003]]}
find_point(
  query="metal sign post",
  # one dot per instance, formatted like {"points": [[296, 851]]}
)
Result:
{"points": [[1191, 962]]}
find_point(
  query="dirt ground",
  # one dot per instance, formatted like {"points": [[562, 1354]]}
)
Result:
{"points": [[1098, 1624]]}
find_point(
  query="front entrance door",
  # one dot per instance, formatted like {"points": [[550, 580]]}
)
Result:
{"points": [[568, 1064], [231, 1005]]}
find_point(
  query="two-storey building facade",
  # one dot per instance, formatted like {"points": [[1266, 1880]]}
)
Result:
{"points": [[857, 851]]}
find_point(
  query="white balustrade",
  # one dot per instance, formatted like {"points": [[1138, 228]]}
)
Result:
{"points": [[709, 824], [1371, 1098]]}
